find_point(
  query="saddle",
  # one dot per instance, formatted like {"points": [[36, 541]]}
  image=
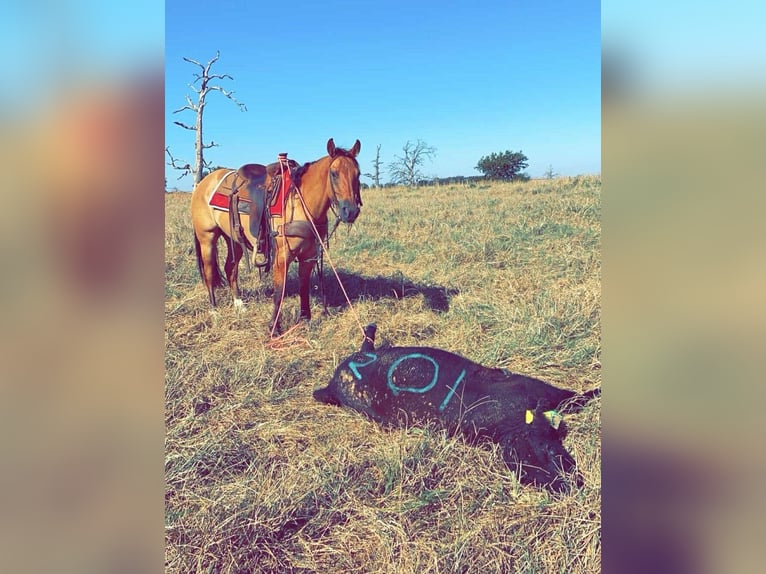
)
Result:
{"points": [[254, 180], [256, 186]]}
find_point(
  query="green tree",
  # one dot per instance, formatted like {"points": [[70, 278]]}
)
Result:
{"points": [[504, 165]]}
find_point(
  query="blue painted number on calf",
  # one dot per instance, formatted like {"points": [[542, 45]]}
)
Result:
{"points": [[354, 366], [396, 389], [452, 391]]}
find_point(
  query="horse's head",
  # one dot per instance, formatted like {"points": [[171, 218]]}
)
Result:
{"points": [[344, 181]]}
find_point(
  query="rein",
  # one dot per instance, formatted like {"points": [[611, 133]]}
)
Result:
{"points": [[324, 249], [287, 245], [333, 196]]}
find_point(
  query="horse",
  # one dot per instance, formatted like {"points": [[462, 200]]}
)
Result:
{"points": [[328, 183]]}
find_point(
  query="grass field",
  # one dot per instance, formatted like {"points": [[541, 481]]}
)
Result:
{"points": [[261, 478]]}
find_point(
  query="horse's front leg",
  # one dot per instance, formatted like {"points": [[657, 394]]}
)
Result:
{"points": [[281, 265], [304, 276]]}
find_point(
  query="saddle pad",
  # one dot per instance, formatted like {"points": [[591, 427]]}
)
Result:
{"points": [[220, 202], [277, 207]]}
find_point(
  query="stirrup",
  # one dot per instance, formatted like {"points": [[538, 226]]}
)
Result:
{"points": [[259, 259]]}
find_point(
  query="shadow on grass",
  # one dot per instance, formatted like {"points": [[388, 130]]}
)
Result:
{"points": [[360, 287]]}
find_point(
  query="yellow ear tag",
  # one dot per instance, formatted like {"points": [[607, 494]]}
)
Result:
{"points": [[529, 417], [554, 418]]}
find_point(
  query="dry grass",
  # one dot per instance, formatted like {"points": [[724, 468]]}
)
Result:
{"points": [[261, 478]]}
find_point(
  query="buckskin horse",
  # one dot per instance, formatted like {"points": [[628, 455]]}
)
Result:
{"points": [[285, 230]]}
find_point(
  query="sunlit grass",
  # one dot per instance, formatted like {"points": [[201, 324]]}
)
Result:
{"points": [[261, 478]]}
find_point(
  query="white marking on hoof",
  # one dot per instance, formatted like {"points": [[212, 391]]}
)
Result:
{"points": [[239, 304]]}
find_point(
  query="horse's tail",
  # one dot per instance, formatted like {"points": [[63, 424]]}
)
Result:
{"points": [[217, 280]]}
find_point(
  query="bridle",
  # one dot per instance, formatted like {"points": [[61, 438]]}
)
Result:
{"points": [[334, 196], [334, 202]]}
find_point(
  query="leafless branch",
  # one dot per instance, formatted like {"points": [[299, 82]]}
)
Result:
{"points": [[210, 63], [229, 95], [194, 62], [189, 106], [186, 168], [183, 125]]}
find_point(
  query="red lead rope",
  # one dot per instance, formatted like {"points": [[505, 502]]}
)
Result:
{"points": [[332, 266]]}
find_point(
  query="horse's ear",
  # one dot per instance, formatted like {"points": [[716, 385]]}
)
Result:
{"points": [[331, 148], [355, 150]]}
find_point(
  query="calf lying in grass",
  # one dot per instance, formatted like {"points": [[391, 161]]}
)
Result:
{"points": [[402, 386]]}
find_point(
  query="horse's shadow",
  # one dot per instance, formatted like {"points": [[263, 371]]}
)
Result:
{"points": [[360, 287]]}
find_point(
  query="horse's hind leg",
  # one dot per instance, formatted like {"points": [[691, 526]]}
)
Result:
{"points": [[231, 267], [207, 259], [304, 276]]}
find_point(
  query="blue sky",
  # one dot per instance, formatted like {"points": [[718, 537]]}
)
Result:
{"points": [[66, 43], [468, 78], [688, 47]]}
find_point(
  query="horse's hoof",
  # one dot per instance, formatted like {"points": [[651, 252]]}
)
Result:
{"points": [[239, 305]]}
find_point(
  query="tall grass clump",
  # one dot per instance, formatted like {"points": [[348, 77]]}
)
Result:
{"points": [[261, 478]]}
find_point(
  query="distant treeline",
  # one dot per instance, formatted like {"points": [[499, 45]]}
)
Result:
{"points": [[455, 179], [460, 179]]}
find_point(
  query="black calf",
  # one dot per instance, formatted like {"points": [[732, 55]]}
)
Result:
{"points": [[410, 385]]}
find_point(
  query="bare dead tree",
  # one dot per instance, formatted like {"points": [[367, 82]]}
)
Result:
{"points": [[205, 87], [375, 175], [549, 173], [406, 169]]}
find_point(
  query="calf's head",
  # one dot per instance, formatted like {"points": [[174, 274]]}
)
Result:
{"points": [[346, 389], [534, 449]]}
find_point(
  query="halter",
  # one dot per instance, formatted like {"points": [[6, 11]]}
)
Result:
{"points": [[334, 196]]}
